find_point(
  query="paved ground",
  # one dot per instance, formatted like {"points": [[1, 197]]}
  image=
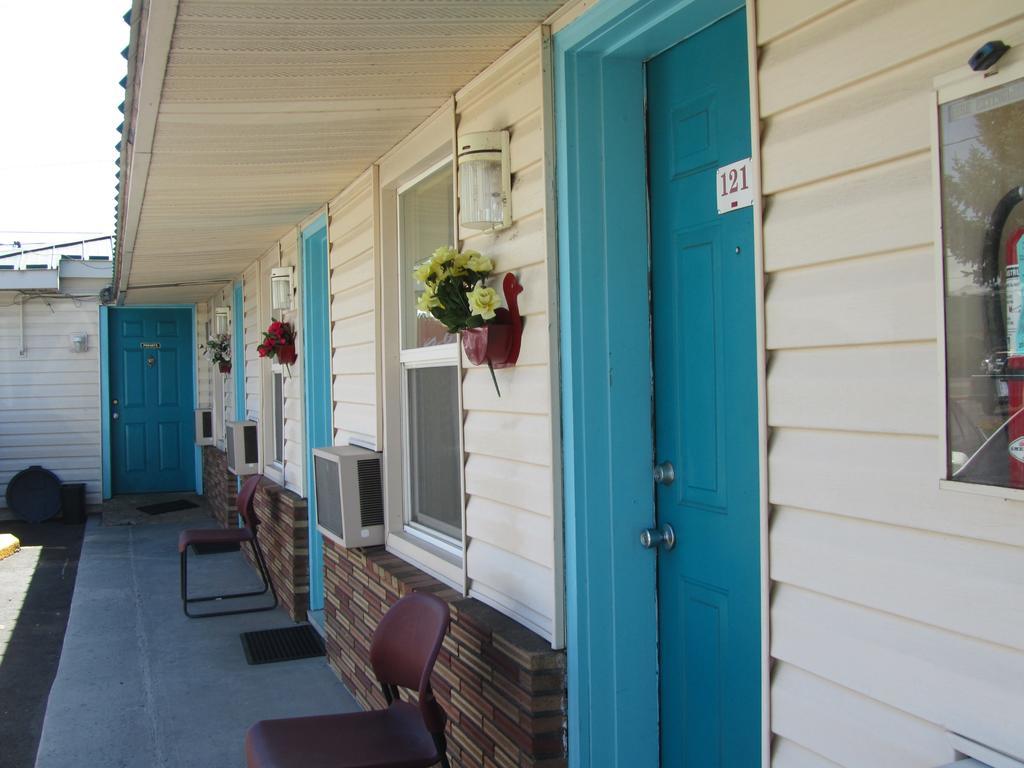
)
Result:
{"points": [[140, 685], [36, 584], [124, 510]]}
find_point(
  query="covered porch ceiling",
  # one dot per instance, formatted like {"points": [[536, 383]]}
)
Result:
{"points": [[245, 116]]}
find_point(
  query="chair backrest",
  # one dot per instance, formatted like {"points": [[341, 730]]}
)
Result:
{"points": [[405, 647], [247, 501]]}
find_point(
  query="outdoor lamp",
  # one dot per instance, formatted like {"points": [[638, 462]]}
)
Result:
{"points": [[485, 181], [281, 287], [79, 342], [222, 320]]}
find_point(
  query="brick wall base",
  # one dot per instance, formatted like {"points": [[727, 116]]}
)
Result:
{"points": [[283, 534], [501, 685], [219, 487]]}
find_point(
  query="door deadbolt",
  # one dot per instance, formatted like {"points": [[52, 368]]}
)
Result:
{"points": [[664, 473], [651, 538]]}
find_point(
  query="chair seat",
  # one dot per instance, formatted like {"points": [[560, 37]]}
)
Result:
{"points": [[393, 738], [212, 536]]}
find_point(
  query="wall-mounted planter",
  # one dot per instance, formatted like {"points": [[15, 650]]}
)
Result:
{"points": [[498, 342], [286, 354], [224, 367]]}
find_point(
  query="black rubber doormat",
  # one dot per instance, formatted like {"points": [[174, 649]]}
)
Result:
{"points": [[286, 644], [167, 506]]}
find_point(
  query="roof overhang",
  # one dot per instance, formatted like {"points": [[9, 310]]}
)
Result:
{"points": [[245, 116]]}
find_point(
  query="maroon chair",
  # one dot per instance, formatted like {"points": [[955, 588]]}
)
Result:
{"points": [[405, 735], [215, 536]]}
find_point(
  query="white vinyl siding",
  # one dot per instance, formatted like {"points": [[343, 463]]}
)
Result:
{"points": [[50, 397], [223, 384], [510, 513], [355, 318], [512, 557], [294, 418], [895, 611], [204, 376], [253, 336]]}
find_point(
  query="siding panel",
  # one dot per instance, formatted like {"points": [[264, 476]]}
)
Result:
{"points": [[966, 685], [49, 398], [508, 439], [253, 336], [895, 608], [877, 299], [355, 361], [888, 388], [805, 707]]}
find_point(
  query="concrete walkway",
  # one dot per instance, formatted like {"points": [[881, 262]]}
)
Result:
{"points": [[142, 686]]}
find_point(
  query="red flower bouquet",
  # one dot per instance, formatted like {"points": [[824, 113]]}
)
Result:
{"points": [[279, 342]]}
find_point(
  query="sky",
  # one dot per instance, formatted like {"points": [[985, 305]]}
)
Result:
{"points": [[60, 63]]}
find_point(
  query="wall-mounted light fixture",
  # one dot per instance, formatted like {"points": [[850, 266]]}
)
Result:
{"points": [[485, 181], [281, 287], [79, 342], [222, 320]]}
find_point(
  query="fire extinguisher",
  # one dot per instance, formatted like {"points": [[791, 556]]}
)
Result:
{"points": [[1015, 357]]}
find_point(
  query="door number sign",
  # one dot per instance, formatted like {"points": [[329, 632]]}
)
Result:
{"points": [[734, 186]]}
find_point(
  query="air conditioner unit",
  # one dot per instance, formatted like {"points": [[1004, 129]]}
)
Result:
{"points": [[243, 447], [349, 495], [204, 426]]}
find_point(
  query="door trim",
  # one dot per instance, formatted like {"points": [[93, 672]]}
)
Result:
{"points": [[317, 410], [606, 414]]}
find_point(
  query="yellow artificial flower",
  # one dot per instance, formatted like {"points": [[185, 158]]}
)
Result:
{"points": [[478, 263], [443, 255], [457, 267], [483, 301], [428, 300], [423, 271]]}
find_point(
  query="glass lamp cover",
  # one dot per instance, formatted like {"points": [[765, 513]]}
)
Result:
{"points": [[221, 320], [281, 291], [480, 191]]}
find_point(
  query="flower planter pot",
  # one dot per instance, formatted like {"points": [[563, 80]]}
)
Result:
{"points": [[224, 367], [490, 342], [286, 354], [498, 343]]}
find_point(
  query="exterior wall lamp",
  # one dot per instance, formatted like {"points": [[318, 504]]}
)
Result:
{"points": [[485, 181], [281, 287], [79, 342], [222, 320]]}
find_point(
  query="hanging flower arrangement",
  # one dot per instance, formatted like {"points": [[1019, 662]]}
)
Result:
{"points": [[454, 293], [279, 343], [218, 351]]}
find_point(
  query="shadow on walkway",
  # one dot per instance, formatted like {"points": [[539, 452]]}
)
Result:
{"points": [[36, 585]]}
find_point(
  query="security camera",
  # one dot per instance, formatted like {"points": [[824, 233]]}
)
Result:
{"points": [[986, 56]]}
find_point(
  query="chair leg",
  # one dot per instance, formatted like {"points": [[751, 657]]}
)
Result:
{"points": [[442, 749], [264, 577]]}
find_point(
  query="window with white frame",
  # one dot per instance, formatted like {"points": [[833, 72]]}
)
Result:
{"points": [[981, 165], [278, 406], [429, 370]]}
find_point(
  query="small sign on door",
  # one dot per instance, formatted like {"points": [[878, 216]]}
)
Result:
{"points": [[735, 188]]}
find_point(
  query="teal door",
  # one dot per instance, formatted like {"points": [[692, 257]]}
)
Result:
{"points": [[316, 347], [705, 404], [152, 400]]}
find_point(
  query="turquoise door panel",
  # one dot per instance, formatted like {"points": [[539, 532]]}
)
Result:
{"points": [[316, 348], [705, 389], [151, 400]]}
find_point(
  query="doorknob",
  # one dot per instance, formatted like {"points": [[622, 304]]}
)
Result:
{"points": [[664, 473], [115, 416], [652, 537]]}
